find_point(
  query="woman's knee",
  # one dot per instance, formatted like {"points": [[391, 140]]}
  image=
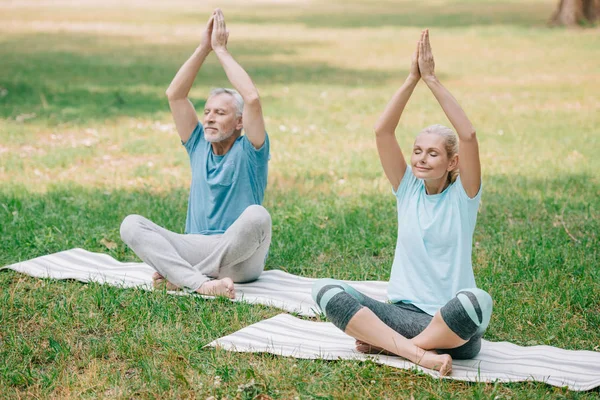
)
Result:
{"points": [[481, 299], [324, 289], [468, 314], [336, 301]]}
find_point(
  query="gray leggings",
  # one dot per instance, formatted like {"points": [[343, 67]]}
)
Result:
{"points": [[468, 314], [189, 260]]}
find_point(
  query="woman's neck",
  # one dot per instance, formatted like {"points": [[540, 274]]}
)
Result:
{"points": [[436, 186]]}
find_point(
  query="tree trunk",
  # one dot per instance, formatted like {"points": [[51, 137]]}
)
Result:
{"points": [[574, 13]]}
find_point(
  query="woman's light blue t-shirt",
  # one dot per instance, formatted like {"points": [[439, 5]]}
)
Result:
{"points": [[435, 237], [223, 186]]}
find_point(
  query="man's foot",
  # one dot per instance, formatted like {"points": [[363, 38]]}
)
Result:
{"points": [[438, 362], [218, 287], [366, 348], [159, 282]]}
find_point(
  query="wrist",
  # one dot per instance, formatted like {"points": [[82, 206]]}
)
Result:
{"points": [[413, 79], [202, 51], [430, 79], [220, 50]]}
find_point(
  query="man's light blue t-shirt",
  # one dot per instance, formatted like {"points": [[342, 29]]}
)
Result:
{"points": [[435, 237], [223, 186]]}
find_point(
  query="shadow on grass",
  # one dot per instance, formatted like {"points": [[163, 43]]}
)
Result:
{"points": [[83, 78]]}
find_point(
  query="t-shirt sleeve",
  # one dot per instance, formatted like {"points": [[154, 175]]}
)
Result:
{"points": [[258, 157], [408, 181], [195, 138], [469, 205]]}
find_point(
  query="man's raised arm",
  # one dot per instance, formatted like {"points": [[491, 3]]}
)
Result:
{"points": [[252, 118], [182, 108]]}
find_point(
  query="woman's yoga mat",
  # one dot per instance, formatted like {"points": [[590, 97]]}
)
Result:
{"points": [[285, 335], [274, 288]]}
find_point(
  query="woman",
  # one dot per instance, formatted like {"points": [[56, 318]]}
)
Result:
{"points": [[435, 310]]}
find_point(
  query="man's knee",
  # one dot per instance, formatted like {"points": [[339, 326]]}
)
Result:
{"points": [[255, 222], [130, 228], [257, 216]]}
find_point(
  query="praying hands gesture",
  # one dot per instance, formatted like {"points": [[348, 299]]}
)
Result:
{"points": [[426, 63], [220, 34]]}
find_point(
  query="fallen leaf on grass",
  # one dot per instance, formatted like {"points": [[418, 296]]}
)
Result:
{"points": [[109, 244]]}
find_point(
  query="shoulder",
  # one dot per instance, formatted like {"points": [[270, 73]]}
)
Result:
{"points": [[250, 149], [407, 184]]}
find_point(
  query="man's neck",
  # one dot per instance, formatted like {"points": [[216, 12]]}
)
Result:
{"points": [[221, 148]]}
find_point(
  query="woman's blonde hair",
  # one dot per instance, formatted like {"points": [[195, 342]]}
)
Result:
{"points": [[450, 143]]}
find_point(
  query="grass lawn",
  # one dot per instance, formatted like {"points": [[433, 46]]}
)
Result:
{"points": [[86, 139]]}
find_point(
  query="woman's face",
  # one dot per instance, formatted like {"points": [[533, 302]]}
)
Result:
{"points": [[429, 159]]}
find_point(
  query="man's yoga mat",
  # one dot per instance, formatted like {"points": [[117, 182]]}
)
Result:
{"points": [[286, 335], [274, 288]]}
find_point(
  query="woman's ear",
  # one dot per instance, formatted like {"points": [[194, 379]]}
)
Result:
{"points": [[453, 164]]}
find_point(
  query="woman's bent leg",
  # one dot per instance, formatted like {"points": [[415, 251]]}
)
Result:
{"points": [[459, 325], [365, 319]]}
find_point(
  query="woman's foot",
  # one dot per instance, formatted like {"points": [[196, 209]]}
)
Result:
{"points": [[218, 287], [367, 348], [438, 362], [159, 282], [428, 359]]}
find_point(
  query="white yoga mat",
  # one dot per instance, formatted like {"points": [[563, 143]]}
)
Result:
{"points": [[274, 288], [286, 335]]}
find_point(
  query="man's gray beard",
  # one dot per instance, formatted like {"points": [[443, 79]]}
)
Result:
{"points": [[220, 138]]}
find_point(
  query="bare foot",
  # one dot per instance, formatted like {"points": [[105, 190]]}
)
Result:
{"points": [[218, 287], [159, 282], [437, 362], [367, 348]]}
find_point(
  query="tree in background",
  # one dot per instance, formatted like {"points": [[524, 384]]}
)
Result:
{"points": [[576, 12]]}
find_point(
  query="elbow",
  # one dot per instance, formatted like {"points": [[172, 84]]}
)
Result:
{"points": [[380, 131], [469, 136], [252, 99], [172, 95]]}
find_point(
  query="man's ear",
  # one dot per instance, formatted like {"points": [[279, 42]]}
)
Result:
{"points": [[239, 125]]}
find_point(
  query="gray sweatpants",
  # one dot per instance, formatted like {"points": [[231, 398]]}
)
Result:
{"points": [[189, 260], [468, 314]]}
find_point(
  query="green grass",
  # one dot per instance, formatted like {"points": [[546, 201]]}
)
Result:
{"points": [[86, 139]]}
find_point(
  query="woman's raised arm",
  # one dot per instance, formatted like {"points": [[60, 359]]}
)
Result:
{"points": [[468, 149], [390, 154]]}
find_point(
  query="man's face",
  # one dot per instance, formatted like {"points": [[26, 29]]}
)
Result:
{"points": [[220, 121]]}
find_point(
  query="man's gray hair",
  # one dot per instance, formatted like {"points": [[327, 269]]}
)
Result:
{"points": [[237, 99]]}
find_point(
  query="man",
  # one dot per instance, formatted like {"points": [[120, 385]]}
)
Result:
{"points": [[228, 232]]}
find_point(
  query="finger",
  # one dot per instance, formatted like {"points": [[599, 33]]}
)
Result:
{"points": [[221, 21], [428, 43]]}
